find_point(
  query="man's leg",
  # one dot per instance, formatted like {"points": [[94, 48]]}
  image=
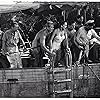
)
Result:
{"points": [[87, 54], [4, 62], [86, 50], [35, 54], [68, 58], [80, 56], [57, 58], [65, 58], [19, 61], [76, 53], [12, 59]]}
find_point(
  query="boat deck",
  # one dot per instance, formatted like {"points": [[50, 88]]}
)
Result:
{"points": [[33, 82]]}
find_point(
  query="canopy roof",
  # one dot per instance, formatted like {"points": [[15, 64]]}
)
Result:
{"points": [[35, 5], [18, 7]]}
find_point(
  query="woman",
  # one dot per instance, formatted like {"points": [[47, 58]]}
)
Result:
{"points": [[59, 44]]}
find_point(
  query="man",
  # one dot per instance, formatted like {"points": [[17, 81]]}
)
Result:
{"points": [[9, 45], [93, 37], [75, 26], [85, 35], [39, 44]]}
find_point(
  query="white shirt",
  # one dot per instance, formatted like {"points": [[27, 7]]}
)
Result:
{"points": [[90, 34]]}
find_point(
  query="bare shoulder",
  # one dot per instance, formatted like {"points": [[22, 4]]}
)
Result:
{"points": [[81, 28], [8, 31], [41, 33]]}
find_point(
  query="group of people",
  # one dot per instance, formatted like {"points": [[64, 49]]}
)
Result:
{"points": [[76, 39], [52, 41], [55, 45], [85, 37]]}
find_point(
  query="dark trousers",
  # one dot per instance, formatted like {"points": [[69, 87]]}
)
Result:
{"points": [[75, 52], [38, 54], [4, 63]]}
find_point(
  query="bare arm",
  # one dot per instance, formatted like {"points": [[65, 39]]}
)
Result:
{"points": [[52, 37], [66, 37], [95, 35], [42, 42]]}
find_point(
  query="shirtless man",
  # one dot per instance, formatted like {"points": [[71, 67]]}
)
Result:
{"points": [[83, 38], [39, 44]]}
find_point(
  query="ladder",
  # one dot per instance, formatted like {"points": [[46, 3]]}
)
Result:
{"points": [[66, 71]]}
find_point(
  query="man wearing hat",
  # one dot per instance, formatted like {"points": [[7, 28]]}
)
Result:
{"points": [[92, 35], [86, 35]]}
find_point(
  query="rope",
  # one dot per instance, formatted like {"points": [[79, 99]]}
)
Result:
{"points": [[93, 72], [88, 50], [88, 65]]}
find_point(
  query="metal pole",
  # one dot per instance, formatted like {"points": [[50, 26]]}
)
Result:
{"points": [[64, 15], [85, 16]]}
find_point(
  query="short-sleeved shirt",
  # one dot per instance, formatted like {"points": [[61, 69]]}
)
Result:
{"points": [[11, 39], [91, 33]]}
